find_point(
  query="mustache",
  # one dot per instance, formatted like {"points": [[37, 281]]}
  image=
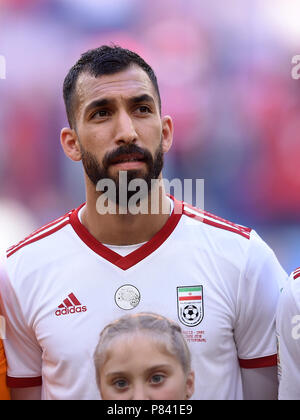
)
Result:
{"points": [[127, 150]]}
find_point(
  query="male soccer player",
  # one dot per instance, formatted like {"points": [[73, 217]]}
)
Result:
{"points": [[70, 278], [288, 334]]}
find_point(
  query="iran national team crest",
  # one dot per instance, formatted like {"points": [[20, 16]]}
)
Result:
{"points": [[190, 305]]}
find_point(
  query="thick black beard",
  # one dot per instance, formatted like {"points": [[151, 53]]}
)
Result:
{"points": [[97, 172]]}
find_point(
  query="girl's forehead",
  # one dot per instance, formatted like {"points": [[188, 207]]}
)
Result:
{"points": [[139, 349], [159, 342]]}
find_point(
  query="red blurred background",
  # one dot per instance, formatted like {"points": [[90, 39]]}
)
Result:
{"points": [[224, 71]]}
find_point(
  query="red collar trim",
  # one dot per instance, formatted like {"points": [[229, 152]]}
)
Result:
{"points": [[139, 254]]}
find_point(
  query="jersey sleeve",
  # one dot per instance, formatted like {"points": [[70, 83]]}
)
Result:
{"points": [[288, 335], [23, 353], [259, 288]]}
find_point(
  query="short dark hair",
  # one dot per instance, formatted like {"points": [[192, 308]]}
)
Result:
{"points": [[99, 61]]}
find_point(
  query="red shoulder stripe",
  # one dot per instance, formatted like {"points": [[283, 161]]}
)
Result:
{"points": [[296, 273], [39, 234], [36, 232], [216, 221], [217, 218]]}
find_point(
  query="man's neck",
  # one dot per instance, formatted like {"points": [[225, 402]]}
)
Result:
{"points": [[124, 229]]}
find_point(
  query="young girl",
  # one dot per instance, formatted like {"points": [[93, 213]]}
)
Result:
{"points": [[143, 356]]}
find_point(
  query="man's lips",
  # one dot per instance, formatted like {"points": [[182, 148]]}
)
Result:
{"points": [[133, 157], [129, 165]]}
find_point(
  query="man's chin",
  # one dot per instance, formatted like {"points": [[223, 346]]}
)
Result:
{"points": [[120, 174]]}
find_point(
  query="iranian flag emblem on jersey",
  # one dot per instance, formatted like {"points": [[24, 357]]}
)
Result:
{"points": [[190, 305]]}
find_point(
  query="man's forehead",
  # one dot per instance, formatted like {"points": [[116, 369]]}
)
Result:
{"points": [[131, 81]]}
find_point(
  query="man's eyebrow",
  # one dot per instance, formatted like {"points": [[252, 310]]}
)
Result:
{"points": [[142, 98], [98, 103]]}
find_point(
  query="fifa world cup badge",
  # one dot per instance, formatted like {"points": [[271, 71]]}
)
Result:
{"points": [[190, 305], [127, 297]]}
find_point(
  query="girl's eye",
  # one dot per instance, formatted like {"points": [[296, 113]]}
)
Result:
{"points": [[157, 379], [121, 383]]}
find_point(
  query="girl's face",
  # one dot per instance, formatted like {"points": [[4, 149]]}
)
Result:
{"points": [[138, 368]]}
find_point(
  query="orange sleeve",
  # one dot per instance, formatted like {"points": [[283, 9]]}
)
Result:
{"points": [[4, 392]]}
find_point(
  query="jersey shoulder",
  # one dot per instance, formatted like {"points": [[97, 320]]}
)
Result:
{"points": [[294, 284], [215, 221], [289, 302], [290, 296], [295, 274], [39, 234]]}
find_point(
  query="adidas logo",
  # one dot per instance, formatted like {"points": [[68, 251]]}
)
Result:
{"points": [[71, 305]]}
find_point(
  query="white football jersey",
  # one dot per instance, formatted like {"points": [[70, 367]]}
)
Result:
{"points": [[61, 286], [288, 335]]}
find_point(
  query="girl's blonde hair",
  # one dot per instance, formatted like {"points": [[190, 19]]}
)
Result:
{"points": [[159, 328]]}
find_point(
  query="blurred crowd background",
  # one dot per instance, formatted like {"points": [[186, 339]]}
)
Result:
{"points": [[224, 70]]}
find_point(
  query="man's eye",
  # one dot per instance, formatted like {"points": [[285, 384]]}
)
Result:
{"points": [[157, 379], [100, 114], [144, 109]]}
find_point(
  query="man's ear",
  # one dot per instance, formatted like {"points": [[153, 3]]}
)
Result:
{"points": [[167, 133], [70, 143]]}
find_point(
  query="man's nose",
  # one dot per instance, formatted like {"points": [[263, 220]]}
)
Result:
{"points": [[125, 130]]}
